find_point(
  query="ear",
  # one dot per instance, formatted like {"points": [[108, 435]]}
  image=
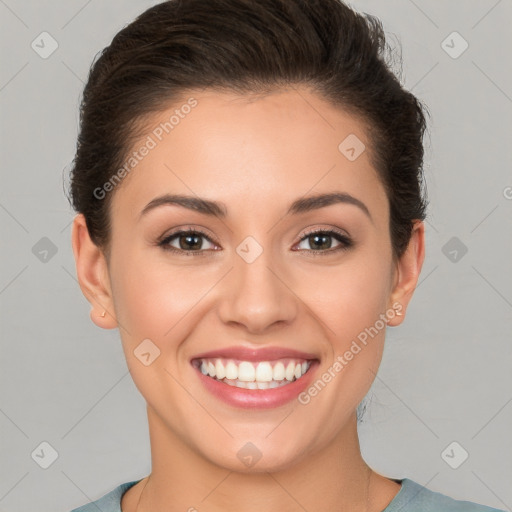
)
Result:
{"points": [[92, 273], [408, 269]]}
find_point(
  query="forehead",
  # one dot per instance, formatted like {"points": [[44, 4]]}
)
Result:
{"points": [[258, 149]]}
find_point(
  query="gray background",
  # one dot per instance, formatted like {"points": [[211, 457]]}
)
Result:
{"points": [[446, 372]]}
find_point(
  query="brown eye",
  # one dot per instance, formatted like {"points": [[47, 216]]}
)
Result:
{"points": [[322, 241], [190, 241], [186, 242]]}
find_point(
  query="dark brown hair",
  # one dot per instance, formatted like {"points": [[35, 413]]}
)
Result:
{"points": [[248, 46]]}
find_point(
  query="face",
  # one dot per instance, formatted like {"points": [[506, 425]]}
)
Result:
{"points": [[253, 277]]}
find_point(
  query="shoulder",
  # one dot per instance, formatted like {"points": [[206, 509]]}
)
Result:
{"points": [[414, 497], [110, 502]]}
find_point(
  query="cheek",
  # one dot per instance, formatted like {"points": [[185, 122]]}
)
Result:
{"points": [[347, 297], [351, 304], [154, 299], [349, 300]]}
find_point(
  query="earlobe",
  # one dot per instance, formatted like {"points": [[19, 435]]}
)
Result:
{"points": [[407, 273], [93, 276]]}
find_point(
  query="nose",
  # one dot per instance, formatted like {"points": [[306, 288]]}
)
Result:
{"points": [[256, 296]]}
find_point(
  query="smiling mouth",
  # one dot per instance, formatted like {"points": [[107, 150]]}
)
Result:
{"points": [[253, 375]]}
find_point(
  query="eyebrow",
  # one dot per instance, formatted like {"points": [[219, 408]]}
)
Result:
{"points": [[307, 204], [218, 209]]}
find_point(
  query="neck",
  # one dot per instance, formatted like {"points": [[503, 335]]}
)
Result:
{"points": [[335, 478]]}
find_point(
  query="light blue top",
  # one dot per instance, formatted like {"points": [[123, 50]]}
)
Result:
{"points": [[412, 497]]}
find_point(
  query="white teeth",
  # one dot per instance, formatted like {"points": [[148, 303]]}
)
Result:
{"points": [[246, 372], [290, 371], [279, 371], [219, 370], [231, 371], [254, 385], [249, 375], [264, 372]]}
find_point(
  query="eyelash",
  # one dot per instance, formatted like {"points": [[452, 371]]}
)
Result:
{"points": [[346, 242], [166, 247]]}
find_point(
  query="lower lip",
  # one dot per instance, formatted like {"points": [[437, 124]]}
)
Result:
{"points": [[258, 398]]}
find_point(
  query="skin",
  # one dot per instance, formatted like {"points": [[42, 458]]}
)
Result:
{"points": [[256, 155]]}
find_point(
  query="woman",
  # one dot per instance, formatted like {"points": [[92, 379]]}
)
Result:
{"points": [[250, 199]]}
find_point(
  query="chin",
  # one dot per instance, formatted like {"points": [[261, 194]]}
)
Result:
{"points": [[249, 459]]}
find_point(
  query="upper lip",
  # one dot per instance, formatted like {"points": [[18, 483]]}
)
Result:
{"points": [[251, 354]]}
